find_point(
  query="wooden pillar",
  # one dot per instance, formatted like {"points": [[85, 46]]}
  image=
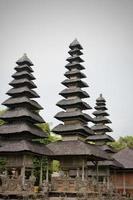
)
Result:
{"points": [[97, 171], [108, 176], [47, 172], [124, 184], [41, 172], [77, 172], [83, 170], [23, 171]]}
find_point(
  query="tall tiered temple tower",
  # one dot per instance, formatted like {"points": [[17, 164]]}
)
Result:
{"points": [[21, 117], [74, 120], [73, 152]]}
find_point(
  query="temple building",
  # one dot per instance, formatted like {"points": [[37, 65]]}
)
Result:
{"points": [[101, 139], [19, 129], [73, 152]]}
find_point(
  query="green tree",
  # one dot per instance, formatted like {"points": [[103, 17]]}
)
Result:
{"points": [[122, 143], [1, 121]]}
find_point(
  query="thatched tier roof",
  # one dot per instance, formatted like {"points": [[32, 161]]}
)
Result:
{"points": [[101, 127], [73, 129], [73, 103], [77, 148], [23, 74], [22, 91], [75, 81], [100, 107], [74, 66], [23, 146], [125, 157], [75, 44], [75, 72], [68, 92], [21, 113], [24, 60], [75, 51], [18, 129], [23, 82], [21, 101], [110, 163], [101, 119], [100, 112], [104, 137], [76, 115], [100, 99], [24, 67], [107, 148], [74, 59]]}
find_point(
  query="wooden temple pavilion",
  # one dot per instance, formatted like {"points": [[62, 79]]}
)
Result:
{"points": [[101, 139], [19, 130], [73, 152]]}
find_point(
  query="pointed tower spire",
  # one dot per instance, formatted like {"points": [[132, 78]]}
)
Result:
{"points": [[100, 125], [74, 120], [22, 113]]}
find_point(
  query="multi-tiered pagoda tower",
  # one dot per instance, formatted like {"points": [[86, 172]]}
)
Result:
{"points": [[100, 127], [101, 139], [74, 120], [20, 118], [73, 152]]}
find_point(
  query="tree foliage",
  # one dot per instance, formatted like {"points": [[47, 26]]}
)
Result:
{"points": [[122, 143]]}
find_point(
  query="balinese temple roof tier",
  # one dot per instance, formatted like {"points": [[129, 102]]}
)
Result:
{"points": [[24, 60], [107, 148], [101, 127], [75, 121], [22, 91], [16, 101], [71, 103], [95, 138], [23, 127], [22, 114], [23, 74], [74, 82], [76, 73]]}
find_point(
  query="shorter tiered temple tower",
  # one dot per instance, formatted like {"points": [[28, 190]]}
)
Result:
{"points": [[19, 129], [101, 139]]}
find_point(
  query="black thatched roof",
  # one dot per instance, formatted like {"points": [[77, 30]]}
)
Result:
{"points": [[99, 137], [75, 58], [13, 102], [23, 74], [73, 114], [22, 82], [101, 127], [22, 91], [19, 112], [22, 127], [75, 72], [102, 119], [77, 148], [110, 163], [75, 81], [107, 148], [100, 112], [75, 51], [76, 102], [74, 91], [23, 67], [23, 146], [74, 66], [125, 157], [73, 129], [100, 99], [75, 44], [100, 107], [24, 60]]}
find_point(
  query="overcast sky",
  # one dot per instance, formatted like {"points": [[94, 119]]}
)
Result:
{"points": [[44, 29]]}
